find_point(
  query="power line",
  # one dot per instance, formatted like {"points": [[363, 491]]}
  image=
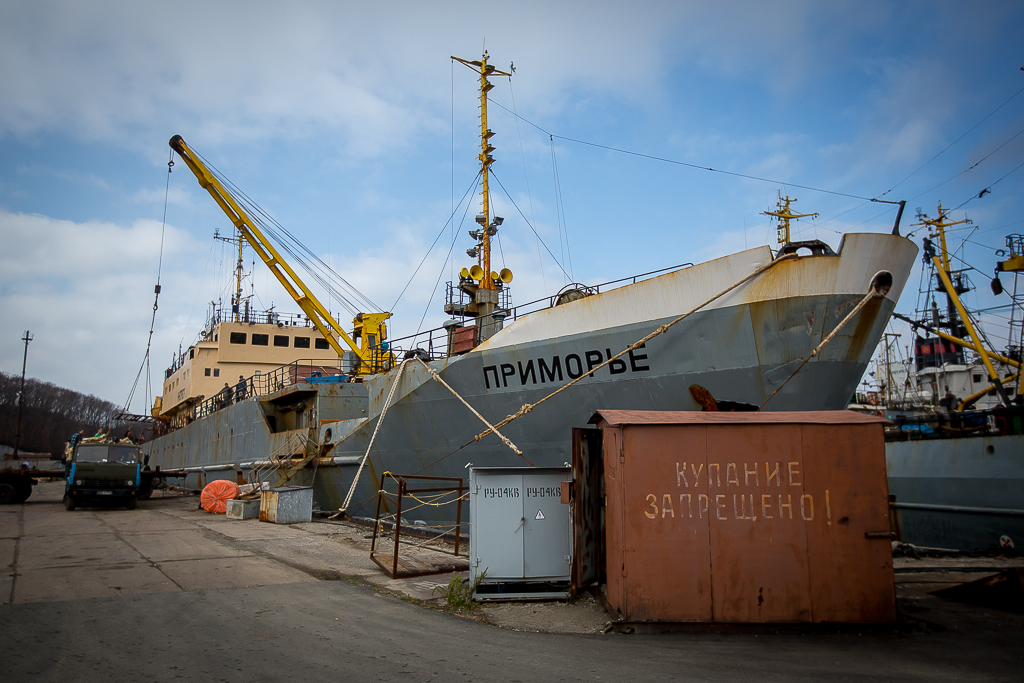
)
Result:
{"points": [[954, 142]]}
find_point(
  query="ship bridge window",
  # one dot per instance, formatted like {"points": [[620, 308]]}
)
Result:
{"points": [[237, 338], [260, 339], [207, 373], [301, 343], [281, 340], [216, 372], [321, 343]]}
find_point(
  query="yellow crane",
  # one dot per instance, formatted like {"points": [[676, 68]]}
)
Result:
{"points": [[368, 328]]}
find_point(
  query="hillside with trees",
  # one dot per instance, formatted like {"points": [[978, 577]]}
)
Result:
{"points": [[50, 414]]}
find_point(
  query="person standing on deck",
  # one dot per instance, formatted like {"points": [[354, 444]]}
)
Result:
{"points": [[240, 389]]}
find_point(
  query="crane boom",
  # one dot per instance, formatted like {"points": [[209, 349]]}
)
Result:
{"points": [[369, 328]]}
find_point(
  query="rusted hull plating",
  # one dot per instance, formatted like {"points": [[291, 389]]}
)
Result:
{"points": [[742, 349]]}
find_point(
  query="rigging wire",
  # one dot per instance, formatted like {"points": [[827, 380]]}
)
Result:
{"points": [[559, 207], [156, 301], [320, 272], [447, 258], [954, 142], [522, 152], [500, 184], [698, 166], [434, 243], [451, 273]]}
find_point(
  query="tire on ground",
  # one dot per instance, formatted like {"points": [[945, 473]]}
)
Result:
{"points": [[8, 492]]}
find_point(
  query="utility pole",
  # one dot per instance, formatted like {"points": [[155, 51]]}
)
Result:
{"points": [[21, 394]]}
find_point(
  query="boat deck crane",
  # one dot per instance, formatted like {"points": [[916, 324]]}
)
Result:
{"points": [[368, 328]]}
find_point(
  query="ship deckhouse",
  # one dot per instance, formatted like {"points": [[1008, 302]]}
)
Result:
{"points": [[253, 346]]}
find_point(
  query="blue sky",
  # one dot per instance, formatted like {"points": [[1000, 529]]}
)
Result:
{"points": [[344, 121]]}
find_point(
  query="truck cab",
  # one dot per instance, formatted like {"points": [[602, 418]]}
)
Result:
{"points": [[103, 473]]}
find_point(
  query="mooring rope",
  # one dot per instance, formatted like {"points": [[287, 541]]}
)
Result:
{"points": [[878, 290], [662, 329], [490, 427], [380, 420]]}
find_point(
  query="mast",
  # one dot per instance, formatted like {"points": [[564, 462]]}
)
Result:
{"points": [[785, 215], [484, 253], [958, 320], [236, 301], [238, 278], [483, 285]]}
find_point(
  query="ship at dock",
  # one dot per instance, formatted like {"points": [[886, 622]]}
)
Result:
{"points": [[501, 385], [954, 448]]}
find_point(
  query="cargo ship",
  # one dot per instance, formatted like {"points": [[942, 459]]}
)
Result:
{"points": [[792, 329]]}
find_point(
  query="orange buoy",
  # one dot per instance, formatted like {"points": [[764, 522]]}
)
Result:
{"points": [[216, 495]]}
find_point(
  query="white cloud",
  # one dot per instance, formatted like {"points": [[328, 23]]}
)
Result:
{"points": [[85, 290]]}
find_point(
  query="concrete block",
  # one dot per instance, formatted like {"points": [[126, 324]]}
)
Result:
{"points": [[243, 509]]}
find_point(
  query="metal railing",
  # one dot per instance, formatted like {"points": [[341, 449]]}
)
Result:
{"points": [[429, 345]]}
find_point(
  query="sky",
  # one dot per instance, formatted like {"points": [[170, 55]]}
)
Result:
{"points": [[350, 125]]}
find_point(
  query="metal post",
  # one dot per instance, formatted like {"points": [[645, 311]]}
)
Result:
{"points": [[376, 517], [21, 394], [458, 520], [398, 524]]}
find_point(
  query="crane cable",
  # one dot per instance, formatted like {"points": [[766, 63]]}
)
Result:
{"points": [[156, 298]]}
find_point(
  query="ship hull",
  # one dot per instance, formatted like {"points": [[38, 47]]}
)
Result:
{"points": [[958, 493], [746, 348]]}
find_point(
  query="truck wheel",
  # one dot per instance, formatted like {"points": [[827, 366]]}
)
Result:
{"points": [[131, 504], [24, 490], [7, 493], [69, 502]]}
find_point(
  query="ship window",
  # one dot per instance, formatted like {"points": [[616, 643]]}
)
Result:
{"points": [[321, 343], [207, 373], [977, 378], [280, 340], [260, 339], [301, 343], [191, 353], [237, 337], [216, 372]]}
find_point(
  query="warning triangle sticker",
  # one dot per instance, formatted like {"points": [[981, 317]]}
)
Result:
{"points": [[540, 515]]}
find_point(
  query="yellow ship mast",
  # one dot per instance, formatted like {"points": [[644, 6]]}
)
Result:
{"points": [[484, 255], [937, 229], [784, 215]]}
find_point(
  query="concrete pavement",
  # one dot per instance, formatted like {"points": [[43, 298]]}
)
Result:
{"points": [[169, 593]]}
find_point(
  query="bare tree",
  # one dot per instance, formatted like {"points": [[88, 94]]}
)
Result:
{"points": [[50, 414]]}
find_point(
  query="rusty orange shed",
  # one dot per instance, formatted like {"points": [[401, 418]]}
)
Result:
{"points": [[747, 517]]}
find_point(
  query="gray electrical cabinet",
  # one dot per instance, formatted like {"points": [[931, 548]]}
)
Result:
{"points": [[520, 532]]}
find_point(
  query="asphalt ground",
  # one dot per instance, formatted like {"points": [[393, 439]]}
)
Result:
{"points": [[167, 592]]}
